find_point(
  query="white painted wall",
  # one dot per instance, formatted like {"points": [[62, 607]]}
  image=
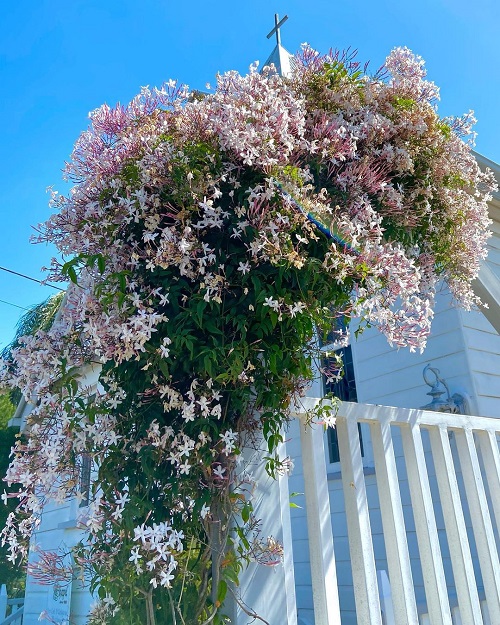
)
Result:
{"points": [[269, 591], [57, 531]]}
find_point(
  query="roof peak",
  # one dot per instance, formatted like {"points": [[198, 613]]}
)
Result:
{"points": [[282, 61], [280, 57]]}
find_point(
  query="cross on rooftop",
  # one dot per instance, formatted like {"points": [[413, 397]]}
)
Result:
{"points": [[276, 29]]}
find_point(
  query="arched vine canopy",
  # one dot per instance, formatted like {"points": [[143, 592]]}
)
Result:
{"points": [[208, 237]]}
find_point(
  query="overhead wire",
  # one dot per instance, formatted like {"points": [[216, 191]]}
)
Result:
{"points": [[22, 275], [11, 304]]}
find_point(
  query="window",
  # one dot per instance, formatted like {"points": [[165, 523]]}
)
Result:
{"points": [[344, 389], [85, 470]]}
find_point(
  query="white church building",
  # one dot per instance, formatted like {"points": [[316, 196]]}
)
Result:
{"points": [[398, 509]]}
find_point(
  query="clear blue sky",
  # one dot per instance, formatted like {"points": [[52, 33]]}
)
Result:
{"points": [[61, 59]]}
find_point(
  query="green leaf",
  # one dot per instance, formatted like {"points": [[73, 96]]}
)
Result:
{"points": [[164, 368], [222, 591], [244, 541], [200, 308], [101, 264], [121, 299], [207, 365], [245, 514], [72, 274], [212, 328], [73, 384], [122, 281], [232, 576]]}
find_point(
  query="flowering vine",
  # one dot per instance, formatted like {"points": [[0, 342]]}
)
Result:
{"points": [[208, 240]]}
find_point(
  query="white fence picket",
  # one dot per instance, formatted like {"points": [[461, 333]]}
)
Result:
{"points": [[481, 521], [396, 545], [463, 571], [319, 527], [425, 525], [364, 573], [491, 459]]}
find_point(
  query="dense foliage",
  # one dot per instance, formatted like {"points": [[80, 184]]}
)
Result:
{"points": [[10, 573], [208, 239]]}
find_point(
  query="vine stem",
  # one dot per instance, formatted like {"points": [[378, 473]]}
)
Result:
{"points": [[150, 608], [215, 547], [172, 607], [150, 614], [211, 618], [245, 609], [191, 542]]}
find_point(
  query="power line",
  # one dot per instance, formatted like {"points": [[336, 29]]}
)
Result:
{"points": [[11, 304], [33, 279]]}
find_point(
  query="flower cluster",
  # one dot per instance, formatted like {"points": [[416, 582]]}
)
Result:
{"points": [[210, 238]]}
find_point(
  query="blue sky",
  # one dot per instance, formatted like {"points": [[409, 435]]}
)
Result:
{"points": [[60, 59]]}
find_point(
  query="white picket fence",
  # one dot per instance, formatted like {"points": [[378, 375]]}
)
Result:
{"points": [[479, 470]]}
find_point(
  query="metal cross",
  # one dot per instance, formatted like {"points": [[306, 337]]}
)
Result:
{"points": [[276, 29]]}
